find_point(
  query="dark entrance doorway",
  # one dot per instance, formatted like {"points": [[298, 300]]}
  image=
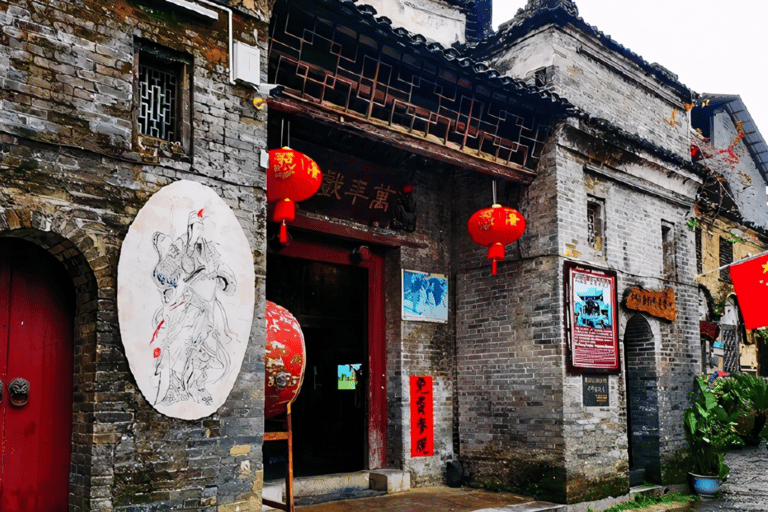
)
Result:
{"points": [[335, 413], [36, 312], [642, 402]]}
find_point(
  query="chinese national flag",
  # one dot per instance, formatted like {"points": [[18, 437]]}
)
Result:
{"points": [[750, 281]]}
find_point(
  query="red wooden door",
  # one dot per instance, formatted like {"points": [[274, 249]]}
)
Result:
{"points": [[36, 345]]}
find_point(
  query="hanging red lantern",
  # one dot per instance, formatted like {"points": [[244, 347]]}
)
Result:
{"points": [[292, 177], [284, 360], [494, 228]]}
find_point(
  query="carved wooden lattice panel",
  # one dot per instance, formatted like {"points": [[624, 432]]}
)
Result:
{"points": [[358, 72], [157, 114]]}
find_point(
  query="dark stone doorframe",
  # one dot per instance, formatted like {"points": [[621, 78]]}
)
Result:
{"points": [[642, 398]]}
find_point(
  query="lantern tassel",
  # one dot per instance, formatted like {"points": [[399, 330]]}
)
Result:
{"points": [[496, 253], [283, 234]]}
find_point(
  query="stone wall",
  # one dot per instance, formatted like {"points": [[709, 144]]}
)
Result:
{"points": [[521, 416], [422, 348], [74, 177], [436, 20], [509, 343], [640, 196]]}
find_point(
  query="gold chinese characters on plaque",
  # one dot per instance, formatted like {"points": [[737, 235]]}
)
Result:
{"points": [[657, 303]]}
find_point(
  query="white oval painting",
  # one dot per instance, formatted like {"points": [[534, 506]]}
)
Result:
{"points": [[185, 298]]}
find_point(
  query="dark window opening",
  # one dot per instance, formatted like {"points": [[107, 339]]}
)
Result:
{"points": [[595, 237], [726, 258], [699, 265], [668, 249]]}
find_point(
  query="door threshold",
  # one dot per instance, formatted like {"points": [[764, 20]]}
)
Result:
{"points": [[339, 486]]}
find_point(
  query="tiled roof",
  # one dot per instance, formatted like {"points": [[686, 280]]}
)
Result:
{"points": [[420, 45]]}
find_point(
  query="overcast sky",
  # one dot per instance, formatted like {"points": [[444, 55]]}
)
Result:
{"points": [[714, 46]]}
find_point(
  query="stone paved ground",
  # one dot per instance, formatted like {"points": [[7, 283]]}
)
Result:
{"points": [[747, 486], [427, 499]]}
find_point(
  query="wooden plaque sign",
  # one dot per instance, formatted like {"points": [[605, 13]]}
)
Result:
{"points": [[657, 303]]}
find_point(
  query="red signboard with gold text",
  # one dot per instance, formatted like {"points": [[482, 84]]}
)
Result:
{"points": [[591, 307], [422, 422]]}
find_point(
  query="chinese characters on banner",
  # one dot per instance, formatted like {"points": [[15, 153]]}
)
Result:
{"points": [[353, 188], [592, 313], [422, 423]]}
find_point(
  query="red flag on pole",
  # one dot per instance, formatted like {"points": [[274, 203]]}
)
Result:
{"points": [[750, 282]]}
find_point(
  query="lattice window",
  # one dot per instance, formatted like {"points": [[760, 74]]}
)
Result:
{"points": [[163, 101], [331, 60], [158, 109], [729, 335]]}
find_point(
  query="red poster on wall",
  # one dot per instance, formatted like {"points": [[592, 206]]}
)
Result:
{"points": [[591, 306], [422, 423]]}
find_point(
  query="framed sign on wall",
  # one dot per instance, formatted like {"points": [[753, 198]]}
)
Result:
{"points": [[424, 297], [591, 319]]}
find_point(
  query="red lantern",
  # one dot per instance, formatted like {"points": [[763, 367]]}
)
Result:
{"points": [[284, 359], [494, 228], [292, 177]]}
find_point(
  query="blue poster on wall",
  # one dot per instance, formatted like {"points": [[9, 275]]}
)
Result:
{"points": [[425, 297]]}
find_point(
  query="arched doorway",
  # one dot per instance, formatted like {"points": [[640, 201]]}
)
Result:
{"points": [[36, 318], [642, 401]]}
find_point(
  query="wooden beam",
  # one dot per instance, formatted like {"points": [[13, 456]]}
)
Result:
{"points": [[306, 223], [381, 132]]}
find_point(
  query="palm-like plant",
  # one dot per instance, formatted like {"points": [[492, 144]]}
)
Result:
{"points": [[710, 431], [753, 391]]}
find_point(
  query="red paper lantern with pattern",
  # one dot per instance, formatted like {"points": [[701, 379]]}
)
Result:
{"points": [[284, 360], [494, 228], [292, 177]]}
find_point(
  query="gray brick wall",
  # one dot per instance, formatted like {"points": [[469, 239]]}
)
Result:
{"points": [[602, 83], [74, 179]]}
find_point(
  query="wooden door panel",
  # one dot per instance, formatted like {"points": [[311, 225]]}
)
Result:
{"points": [[37, 436], [5, 317]]}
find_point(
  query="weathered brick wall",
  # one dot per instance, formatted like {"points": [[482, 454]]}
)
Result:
{"points": [[509, 343], [637, 201], [74, 179], [422, 348], [521, 416], [601, 82]]}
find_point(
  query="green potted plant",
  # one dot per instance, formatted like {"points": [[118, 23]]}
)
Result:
{"points": [[754, 394], [710, 430]]}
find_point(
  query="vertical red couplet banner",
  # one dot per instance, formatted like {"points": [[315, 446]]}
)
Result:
{"points": [[422, 421]]}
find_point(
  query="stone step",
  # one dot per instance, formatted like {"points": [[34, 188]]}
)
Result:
{"points": [[316, 489]]}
